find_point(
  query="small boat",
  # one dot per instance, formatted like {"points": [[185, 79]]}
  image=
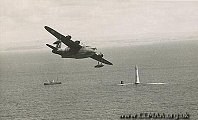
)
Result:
{"points": [[52, 83], [121, 82]]}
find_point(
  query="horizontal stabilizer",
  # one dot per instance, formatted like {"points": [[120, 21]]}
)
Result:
{"points": [[52, 47]]}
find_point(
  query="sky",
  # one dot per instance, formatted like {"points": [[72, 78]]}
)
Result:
{"points": [[99, 23]]}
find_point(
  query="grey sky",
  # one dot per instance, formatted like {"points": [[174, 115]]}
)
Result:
{"points": [[96, 22]]}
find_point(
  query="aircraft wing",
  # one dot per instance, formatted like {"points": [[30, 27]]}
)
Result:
{"points": [[100, 59], [64, 39]]}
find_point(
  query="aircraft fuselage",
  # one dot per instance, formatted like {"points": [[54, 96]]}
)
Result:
{"points": [[84, 52]]}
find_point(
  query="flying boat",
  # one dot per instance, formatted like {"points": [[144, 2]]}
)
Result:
{"points": [[74, 49]]}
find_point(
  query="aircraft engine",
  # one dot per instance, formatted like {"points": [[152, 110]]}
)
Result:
{"points": [[68, 37], [77, 42], [101, 55]]}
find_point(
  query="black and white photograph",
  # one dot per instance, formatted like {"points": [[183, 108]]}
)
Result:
{"points": [[98, 60]]}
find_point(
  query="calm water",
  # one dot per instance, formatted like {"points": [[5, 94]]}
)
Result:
{"points": [[89, 93]]}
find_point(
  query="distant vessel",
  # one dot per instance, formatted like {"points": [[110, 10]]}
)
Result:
{"points": [[137, 80], [52, 83], [121, 82]]}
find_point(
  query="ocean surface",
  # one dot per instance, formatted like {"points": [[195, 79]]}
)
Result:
{"points": [[87, 93]]}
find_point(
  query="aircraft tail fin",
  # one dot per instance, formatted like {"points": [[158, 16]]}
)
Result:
{"points": [[58, 43]]}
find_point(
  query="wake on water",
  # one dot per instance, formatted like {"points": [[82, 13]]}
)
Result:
{"points": [[137, 81], [143, 84]]}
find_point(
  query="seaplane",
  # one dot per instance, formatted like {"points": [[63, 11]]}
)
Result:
{"points": [[74, 49]]}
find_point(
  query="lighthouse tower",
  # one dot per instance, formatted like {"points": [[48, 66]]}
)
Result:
{"points": [[137, 80]]}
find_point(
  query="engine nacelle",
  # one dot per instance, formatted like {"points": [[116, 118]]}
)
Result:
{"points": [[68, 37], [101, 55], [77, 42]]}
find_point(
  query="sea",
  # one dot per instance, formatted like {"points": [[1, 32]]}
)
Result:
{"points": [[89, 93]]}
